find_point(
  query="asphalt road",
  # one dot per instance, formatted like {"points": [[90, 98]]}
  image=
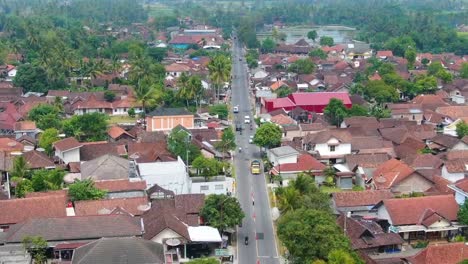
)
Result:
{"points": [[251, 189]]}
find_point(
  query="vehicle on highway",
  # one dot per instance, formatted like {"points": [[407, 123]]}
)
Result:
{"points": [[235, 109], [246, 240], [247, 119], [238, 127], [251, 139], [255, 167]]}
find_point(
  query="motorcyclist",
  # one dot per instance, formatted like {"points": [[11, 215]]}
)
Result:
{"points": [[240, 149], [246, 240]]}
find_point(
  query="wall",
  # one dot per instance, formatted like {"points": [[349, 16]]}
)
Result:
{"points": [[416, 117], [340, 150], [413, 183], [382, 213], [69, 156], [124, 111], [460, 146], [453, 177], [212, 187], [290, 135], [165, 234], [164, 123], [281, 160], [459, 197], [169, 175]]}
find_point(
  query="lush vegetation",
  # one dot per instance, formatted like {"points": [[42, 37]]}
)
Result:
{"points": [[222, 211], [268, 135], [85, 190], [179, 143]]}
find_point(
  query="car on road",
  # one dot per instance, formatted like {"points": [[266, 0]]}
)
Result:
{"points": [[240, 59], [251, 139], [235, 109], [255, 167], [247, 119], [239, 127]]}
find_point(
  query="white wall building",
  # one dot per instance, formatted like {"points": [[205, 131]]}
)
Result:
{"points": [[170, 175]]}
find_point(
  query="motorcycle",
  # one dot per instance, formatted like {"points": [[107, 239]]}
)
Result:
{"points": [[240, 150], [246, 241]]}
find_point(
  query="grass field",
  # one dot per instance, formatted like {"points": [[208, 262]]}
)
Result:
{"points": [[121, 119], [462, 34], [158, 10]]}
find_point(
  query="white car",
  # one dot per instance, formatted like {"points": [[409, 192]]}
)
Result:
{"points": [[247, 119], [251, 139], [235, 109]]}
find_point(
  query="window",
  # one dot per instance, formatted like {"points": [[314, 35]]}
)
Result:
{"points": [[414, 117], [219, 187], [204, 188], [331, 148]]}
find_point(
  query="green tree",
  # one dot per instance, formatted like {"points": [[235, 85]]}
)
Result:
{"points": [[23, 187], [46, 116], [312, 35], [358, 110], [436, 69], [31, 79], [179, 143], [208, 167], [399, 45], [204, 261], [191, 89], [463, 213], [289, 199], [228, 140], [47, 180], [462, 129], [219, 109], [464, 70], [302, 66], [379, 112], [424, 84], [326, 41], [158, 54], [20, 168], [339, 256], [318, 53], [36, 246], [131, 112], [268, 135], [109, 96], [148, 95], [335, 112], [47, 138], [85, 190], [317, 231], [220, 72], [410, 56], [268, 45], [380, 92], [88, 127], [221, 211], [283, 91]]}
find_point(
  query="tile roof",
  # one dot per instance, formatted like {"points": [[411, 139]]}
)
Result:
{"points": [[312, 127], [106, 167], [282, 120], [94, 150], [115, 132], [92, 103], [278, 84], [342, 135], [377, 144], [362, 121], [390, 173], [360, 198], [454, 112], [430, 101], [177, 214], [22, 209], [134, 206], [25, 125], [411, 211], [384, 53], [410, 146], [67, 144], [38, 160], [462, 185], [177, 67], [367, 160], [457, 154], [445, 140], [163, 111], [120, 185], [130, 249], [457, 165], [305, 162], [451, 253], [76, 228], [10, 145], [149, 152], [396, 134], [424, 161]]}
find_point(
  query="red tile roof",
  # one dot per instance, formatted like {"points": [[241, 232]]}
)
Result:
{"points": [[390, 173], [116, 131], [375, 77], [411, 211], [67, 144], [25, 125], [462, 185], [93, 103], [453, 112], [38, 160], [135, 206], [452, 253], [361, 198], [121, 185], [282, 120], [19, 210], [384, 53], [305, 162]]}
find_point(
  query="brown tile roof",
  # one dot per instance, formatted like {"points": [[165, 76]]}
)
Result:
{"points": [[411, 211], [452, 253], [390, 173], [410, 146], [177, 67], [366, 160], [134, 206], [454, 112], [424, 161], [25, 139], [121, 185], [175, 214], [93, 151], [67, 144], [38, 160], [77, 228], [305, 162], [362, 121], [384, 53], [445, 140], [116, 131], [92, 103], [429, 101], [25, 125], [462, 185], [10, 145], [457, 154], [323, 136], [457, 165], [378, 144], [282, 120], [22, 209], [395, 134], [312, 127], [360, 198], [47, 193], [149, 152]]}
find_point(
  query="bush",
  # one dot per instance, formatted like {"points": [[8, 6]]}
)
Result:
{"points": [[421, 244], [358, 188], [220, 109], [131, 112]]}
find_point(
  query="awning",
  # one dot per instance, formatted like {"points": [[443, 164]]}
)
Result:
{"points": [[204, 234]]}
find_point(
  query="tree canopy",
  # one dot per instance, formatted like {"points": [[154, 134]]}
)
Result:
{"points": [[268, 135], [179, 143], [47, 138], [228, 140], [88, 127], [222, 211], [462, 129], [85, 190], [326, 41], [335, 111], [302, 66]]}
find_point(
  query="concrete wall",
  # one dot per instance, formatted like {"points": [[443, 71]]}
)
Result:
{"points": [[165, 234], [413, 183], [459, 197], [340, 149], [69, 156], [382, 213], [165, 123]]}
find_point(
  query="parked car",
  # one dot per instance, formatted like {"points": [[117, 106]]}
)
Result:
{"points": [[235, 109], [247, 119], [251, 139]]}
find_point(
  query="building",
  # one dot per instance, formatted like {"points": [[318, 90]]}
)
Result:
{"points": [[106, 167], [282, 155], [358, 203], [453, 253], [312, 102], [461, 190], [329, 145], [170, 175], [67, 150], [165, 119]]}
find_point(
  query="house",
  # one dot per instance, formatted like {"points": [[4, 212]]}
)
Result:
{"points": [[165, 119], [329, 145], [442, 142], [135, 206], [213, 185], [384, 54], [175, 69], [67, 150], [421, 218], [461, 190], [367, 236], [358, 50], [455, 169], [282, 155], [397, 176], [312, 102], [106, 167], [452, 253], [85, 228], [144, 151], [178, 218], [358, 202], [304, 163], [451, 128], [364, 165], [38, 160], [407, 111], [94, 150], [359, 121], [26, 128], [19, 210], [117, 133], [92, 105], [134, 250], [9, 146], [170, 175], [372, 145], [125, 188]]}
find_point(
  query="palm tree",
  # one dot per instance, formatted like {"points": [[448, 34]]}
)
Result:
{"points": [[146, 93], [288, 198], [183, 92], [20, 168], [195, 90], [220, 71]]}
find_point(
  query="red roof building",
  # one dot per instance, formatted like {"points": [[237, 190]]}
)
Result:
{"points": [[312, 102]]}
